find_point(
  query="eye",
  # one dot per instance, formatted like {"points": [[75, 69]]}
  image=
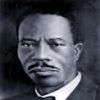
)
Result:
{"points": [[54, 44], [25, 44]]}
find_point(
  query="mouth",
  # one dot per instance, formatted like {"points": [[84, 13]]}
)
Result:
{"points": [[42, 70]]}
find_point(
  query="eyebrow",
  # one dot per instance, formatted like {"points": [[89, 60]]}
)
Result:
{"points": [[28, 39], [34, 40], [56, 39]]}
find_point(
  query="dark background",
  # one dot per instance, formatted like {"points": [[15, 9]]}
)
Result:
{"points": [[12, 79]]}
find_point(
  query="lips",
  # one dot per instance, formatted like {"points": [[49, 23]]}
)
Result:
{"points": [[43, 72], [44, 68]]}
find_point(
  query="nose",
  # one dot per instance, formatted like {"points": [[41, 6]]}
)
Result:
{"points": [[43, 52]]}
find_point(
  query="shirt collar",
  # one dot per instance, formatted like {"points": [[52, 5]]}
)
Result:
{"points": [[64, 92]]}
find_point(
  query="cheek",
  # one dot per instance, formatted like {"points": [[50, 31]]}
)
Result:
{"points": [[64, 59], [65, 56], [25, 55]]}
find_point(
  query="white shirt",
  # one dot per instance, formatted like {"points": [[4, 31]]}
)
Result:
{"points": [[64, 92]]}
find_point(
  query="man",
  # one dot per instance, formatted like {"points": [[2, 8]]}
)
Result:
{"points": [[49, 47]]}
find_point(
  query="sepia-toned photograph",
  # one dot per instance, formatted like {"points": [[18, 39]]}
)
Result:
{"points": [[49, 50]]}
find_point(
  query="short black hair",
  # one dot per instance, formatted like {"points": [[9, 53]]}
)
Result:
{"points": [[58, 7]]}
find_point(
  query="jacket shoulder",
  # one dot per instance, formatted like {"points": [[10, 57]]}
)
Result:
{"points": [[29, 95], [86, 90]]}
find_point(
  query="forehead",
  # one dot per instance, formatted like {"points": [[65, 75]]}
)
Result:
{"points": [[47, 25]]}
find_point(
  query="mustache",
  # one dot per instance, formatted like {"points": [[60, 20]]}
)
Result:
{"points": [[41, 64]]}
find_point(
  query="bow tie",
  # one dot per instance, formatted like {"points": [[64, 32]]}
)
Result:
{"points": [[47, 98]]}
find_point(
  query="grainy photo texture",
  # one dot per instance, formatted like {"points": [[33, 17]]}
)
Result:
{"points": [[49, 50]]}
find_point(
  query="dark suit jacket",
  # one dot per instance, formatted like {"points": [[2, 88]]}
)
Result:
{"points": [[86, 90]]}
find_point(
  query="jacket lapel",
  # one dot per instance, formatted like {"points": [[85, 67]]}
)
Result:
{"points": [[86, 90]]}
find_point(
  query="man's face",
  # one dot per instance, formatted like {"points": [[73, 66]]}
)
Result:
{"points": [[46, 49]]}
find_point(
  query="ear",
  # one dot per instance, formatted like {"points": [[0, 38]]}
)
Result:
{"points": [[77, 50]]}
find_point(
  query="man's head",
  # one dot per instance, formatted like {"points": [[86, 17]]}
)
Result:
{"points": [[47, 49]]}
